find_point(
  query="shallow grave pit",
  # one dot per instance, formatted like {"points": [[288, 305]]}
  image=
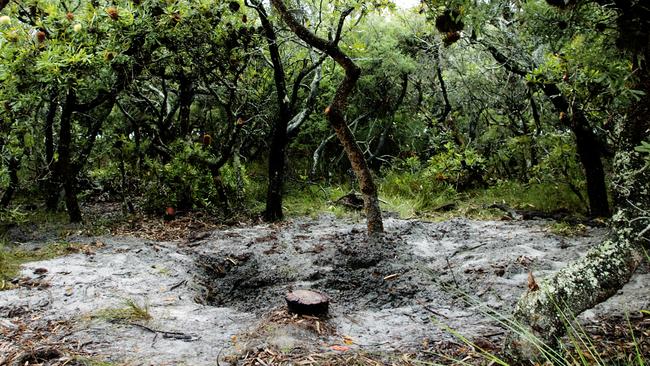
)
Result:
{"points": [[384, 295], [253, 273]]}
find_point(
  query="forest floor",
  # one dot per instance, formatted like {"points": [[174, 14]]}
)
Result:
{"points": [[194, 293]]}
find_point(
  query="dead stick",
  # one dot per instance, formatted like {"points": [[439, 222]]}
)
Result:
{"points": [[177, 285], [163, 332], [427, 308], [453, 276]]}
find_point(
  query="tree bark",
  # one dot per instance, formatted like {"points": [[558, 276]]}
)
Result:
{"points": [[543, 314], [63, 170], [374, 154], [335, 111], [279, 139], [7, 196], [442, 119], [51, 185], [588, 148], [538, 129], [186, 96]]}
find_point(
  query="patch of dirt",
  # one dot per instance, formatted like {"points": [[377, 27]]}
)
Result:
{"points": [[219, 295]]}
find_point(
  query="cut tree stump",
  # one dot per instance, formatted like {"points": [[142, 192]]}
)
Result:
{"points": [[307, 302]]}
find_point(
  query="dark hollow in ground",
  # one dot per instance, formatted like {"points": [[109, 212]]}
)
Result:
{"points": [[255, 274]]}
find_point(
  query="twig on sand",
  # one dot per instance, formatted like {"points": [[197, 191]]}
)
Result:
{"points": [[165, 334], [463, 250], [453, 276], [177, 285], [219, 355], [427, 308]]}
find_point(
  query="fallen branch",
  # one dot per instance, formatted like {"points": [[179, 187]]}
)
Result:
{"points": [[427, 308]]}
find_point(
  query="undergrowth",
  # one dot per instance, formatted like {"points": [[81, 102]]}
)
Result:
{"points": [[406, 196]]}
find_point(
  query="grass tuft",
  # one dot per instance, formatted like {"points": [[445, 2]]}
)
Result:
{"points": [[131, 311], [578, 347], [566, 229]]}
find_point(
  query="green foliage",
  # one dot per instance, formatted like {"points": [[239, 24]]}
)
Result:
{"points": [[578, 347], [412, 190], [313, 199], [409, 181], [13, 216], [147, 147], [545, 196], [567, 229], [461, 168], [87, 361], [179, 183], [645, 149], [560, 164]]}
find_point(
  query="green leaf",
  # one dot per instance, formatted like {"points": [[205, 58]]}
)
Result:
{"points": [[28, 138]]}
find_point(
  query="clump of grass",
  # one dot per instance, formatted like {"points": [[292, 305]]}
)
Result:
{"points": [[87, 361], [12, 258], [129, 312], [576, 348], [410, 196], [566, 229], [313, 199]]}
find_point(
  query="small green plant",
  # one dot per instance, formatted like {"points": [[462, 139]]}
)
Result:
{"points": [[13, 216], [87, 361], [130, 311], [645, 149], [563, 228]]}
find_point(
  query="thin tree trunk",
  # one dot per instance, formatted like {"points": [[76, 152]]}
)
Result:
{"points": [[335, 111], [279, 139], [186, 96], [52, 186], [388, 129], [443, 88], [317, 156], [534, 160], [7, 196], [589, 151], [63, 168]]}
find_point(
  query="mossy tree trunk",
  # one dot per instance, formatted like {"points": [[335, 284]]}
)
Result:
{"points": [[609, 266], [335, 111]]}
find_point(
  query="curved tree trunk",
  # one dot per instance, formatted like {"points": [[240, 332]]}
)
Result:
{"points": [[606, 268], [589, 147], [335, 111]]}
